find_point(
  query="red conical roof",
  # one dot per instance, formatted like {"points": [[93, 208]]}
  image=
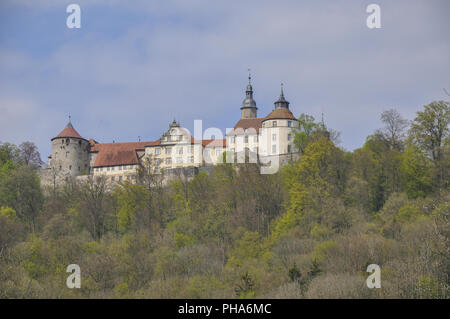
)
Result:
{"points": [[68, 131]]}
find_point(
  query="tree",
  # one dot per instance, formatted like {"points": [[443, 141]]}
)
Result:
{"points": [[394, 129], [9, 155], [416, 172], [20, 189], [430, 132], [29, 154], [131, 199], [430, 128], [93, 204], [147, 173], [306, 128]]}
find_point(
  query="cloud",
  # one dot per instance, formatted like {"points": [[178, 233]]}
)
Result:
{"points": [[132, 68]]}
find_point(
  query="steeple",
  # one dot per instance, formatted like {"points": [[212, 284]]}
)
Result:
{"points": [[70, 122], [281, 102], [248, 108]]}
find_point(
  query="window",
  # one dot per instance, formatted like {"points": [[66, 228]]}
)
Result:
{"points": [[108, 168], [274, 137], [79, 168], [157, 151], [289, 148], [101, 169], [232, 139], [169, 150], [70, 167], [56, 155], [191, 159], [289, 123], [255, 138], [120, 178], [157, 170], [179, 160], [120, 168], [112, 168], [113, 179], [128, 177], [289, 137], [180, 150], [168, 161], [91, 157], [274, 149], [206, 152], [60, 167], [246, 139], [274, 123], [67, 154]]}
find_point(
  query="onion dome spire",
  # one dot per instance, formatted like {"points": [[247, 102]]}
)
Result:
{"points": [[249, 101]]}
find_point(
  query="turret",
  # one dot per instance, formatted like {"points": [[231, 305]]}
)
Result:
{"points": [[70, 152]]}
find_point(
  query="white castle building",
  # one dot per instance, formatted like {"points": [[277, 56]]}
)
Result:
{"points": [[268, 140]]}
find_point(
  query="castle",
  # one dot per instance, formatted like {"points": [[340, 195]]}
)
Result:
{"points": [[269, 138]]}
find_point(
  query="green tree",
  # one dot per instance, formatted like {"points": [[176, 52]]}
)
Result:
{"points": [[416, 172]]}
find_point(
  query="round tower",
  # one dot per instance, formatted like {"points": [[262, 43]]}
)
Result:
{"points": [[278, 130], [70, 152]]}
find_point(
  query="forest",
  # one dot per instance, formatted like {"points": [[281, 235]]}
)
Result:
{"points": [[308, 231]]}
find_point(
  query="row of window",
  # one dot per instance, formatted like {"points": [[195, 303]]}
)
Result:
{"points": [[178, 150], [255, 138], [113, 168], [120, 178], [274, 149], [274, 124], [178, 160]]}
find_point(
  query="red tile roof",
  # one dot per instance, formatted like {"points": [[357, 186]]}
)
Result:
{"points": [[68, 131], [254, 123], [112, 154], [280, 113]]}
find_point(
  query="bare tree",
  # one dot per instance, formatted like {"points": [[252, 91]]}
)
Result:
{"points": [[94, 204], [394, 129], [148, 173], [29, 154]]}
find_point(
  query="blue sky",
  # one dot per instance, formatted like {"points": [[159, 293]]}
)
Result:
{"points": [[135, 65]]}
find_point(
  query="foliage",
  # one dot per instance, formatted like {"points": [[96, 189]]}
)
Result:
{"points": [[308, 231]]}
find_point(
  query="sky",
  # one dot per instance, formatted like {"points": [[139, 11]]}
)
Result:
{"points": [[134, 66]]}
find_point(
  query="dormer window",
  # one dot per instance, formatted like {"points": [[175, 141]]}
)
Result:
{"points": [[274, 123], [289, 123]]}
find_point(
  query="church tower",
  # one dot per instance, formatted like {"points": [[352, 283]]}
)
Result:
{"points": [[70, 152], [248, 108]]}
